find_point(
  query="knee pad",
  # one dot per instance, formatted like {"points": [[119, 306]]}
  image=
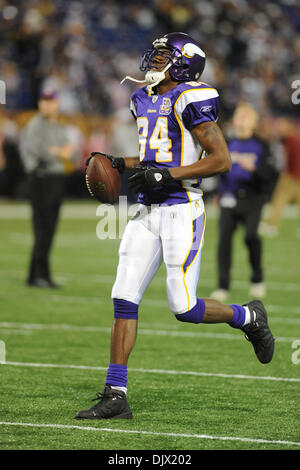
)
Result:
{"points": [[195, 315], [125, 309]]}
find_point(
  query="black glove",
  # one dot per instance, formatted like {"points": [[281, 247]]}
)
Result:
{"points": [[116, 162], [149, 178]]}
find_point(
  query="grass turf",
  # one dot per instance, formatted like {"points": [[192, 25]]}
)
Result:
{"points": [[71, 326]]}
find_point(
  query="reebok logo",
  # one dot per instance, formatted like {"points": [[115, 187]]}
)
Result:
{"points": [[206, 109]]}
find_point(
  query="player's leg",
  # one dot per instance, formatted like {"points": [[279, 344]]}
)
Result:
{"points": [[182, 278], [140, 256], [182, 238], [123, 337]]}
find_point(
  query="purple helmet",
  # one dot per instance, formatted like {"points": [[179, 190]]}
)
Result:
{"points": [[183, 52]]}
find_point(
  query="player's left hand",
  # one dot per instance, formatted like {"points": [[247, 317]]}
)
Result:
{"points": [[149, 178]]}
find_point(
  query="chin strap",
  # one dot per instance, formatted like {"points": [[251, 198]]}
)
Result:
{"points": [[151, 78]]}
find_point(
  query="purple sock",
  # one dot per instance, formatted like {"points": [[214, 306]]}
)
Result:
{"points": [[239, 315], [116, 375], [195, 315]]}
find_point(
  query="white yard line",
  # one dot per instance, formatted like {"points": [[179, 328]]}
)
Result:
{"points": [[10, 331], [152, 433], [154, 371], [142, 331]]}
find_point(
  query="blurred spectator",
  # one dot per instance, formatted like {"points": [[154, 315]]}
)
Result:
{"points": [[46, 153], [242, 194], [98, 140], [287, 190], [11, 168], [124, 142], [83, 49], [75, 185]]}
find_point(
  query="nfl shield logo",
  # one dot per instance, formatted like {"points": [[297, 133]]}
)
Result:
{"points": [[154, 99]]}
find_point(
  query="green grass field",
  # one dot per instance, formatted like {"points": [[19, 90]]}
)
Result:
{"points": [[190, 386]]}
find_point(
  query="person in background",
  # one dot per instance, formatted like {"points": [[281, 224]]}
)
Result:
{"points": [[288, 186], [45, 152], [11, 168], [242, 193]]}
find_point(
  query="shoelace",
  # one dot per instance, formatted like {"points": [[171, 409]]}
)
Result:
{"points": [[99, 396], [110, 394]]}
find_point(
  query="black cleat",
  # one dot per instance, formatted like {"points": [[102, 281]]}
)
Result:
{"points": [[259, 333], [112, 405]]}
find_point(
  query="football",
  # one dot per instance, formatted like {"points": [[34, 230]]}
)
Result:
{"points": [[102, 180]]}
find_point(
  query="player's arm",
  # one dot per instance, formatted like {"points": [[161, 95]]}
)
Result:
{"points": [[217, 159], [131, 162]]}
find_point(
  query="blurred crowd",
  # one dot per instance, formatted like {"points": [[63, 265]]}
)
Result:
{"points": [[83, 49]]}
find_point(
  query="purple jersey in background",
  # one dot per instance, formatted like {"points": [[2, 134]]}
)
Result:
{"points": [[242, 181], [164, 125]]}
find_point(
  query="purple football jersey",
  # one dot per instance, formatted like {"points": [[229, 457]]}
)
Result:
{"points": [[164, 125]]}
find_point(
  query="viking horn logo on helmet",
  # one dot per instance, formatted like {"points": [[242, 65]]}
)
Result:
{"points": [[184, 59]]}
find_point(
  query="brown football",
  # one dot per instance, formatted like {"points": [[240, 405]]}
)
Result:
{"points": [[102, 180]]}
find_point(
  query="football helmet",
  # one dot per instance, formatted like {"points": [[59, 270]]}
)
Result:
{"points": [[178, 53], [184, 56]]}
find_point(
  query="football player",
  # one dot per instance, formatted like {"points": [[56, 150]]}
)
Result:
{"points": [[179, 144]]}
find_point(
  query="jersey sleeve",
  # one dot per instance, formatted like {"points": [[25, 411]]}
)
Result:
{"points": [[198, 106], [132, 108]]}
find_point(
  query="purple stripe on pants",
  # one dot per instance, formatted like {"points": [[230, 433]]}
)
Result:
{"points": [[198, 225]]}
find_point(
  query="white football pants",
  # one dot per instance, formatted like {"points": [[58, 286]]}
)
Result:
{"points": [[173, 234]]}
